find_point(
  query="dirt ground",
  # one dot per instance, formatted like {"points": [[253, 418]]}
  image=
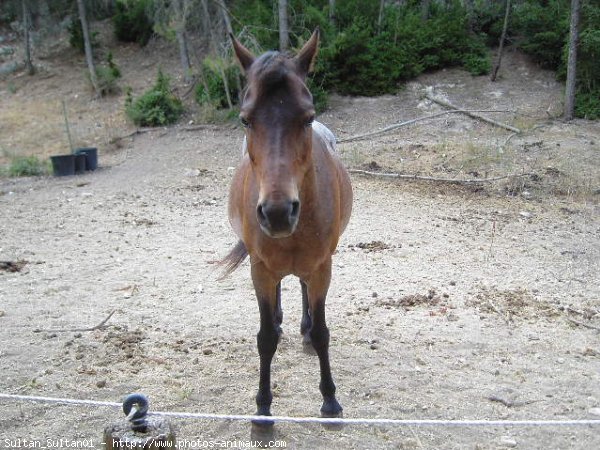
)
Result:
{"points": [[447, 301]]}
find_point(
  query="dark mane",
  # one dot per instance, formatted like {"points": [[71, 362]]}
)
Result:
{"points": [[272, 69]]}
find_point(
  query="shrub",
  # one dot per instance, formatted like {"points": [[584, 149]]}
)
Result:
{"points": [[211, 90], [477, 65], [488, 19], [362, 60], [26, 166], [114, 69], [107, 76], [132, 21], [544, 29], [157, 106], [319, 94], [76, 36], [587, 104]]}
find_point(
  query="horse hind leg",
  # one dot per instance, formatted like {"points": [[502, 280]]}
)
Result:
{"points": [[306, 322]]}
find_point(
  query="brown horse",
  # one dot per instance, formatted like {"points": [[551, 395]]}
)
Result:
{"points": [[290, 200]]}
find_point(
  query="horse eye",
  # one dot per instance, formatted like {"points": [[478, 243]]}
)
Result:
{"points": [[245, 122], [310, 121]]}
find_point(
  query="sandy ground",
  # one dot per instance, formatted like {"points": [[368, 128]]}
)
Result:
{"points": [[447, 302]]}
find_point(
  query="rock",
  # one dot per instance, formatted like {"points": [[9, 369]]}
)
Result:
{"points": [[508, 441], [594, 411], [192, 172], [525, 214], [101, 383], [207, 351]]}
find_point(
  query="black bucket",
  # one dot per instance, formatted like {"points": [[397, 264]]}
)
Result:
{"points": [[80, 163], [63, 165], [91, 157]]}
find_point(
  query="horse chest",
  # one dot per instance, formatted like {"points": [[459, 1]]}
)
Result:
{"points": [[296, 259]]}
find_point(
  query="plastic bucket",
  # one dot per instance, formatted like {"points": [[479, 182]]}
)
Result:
{"points": [[80, 163], [63, 165], [91, 157]]}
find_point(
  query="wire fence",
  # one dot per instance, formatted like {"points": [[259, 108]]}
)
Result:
{"points": [[321, 420]]}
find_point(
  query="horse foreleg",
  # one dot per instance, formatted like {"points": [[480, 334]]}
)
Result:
{"points": [[317, 285], [278, 311], [266, 287]]}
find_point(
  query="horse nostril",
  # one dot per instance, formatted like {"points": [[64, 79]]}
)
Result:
{"points": [[295, 209], [260, 214]]}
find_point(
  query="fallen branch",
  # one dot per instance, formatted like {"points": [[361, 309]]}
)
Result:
{"points": [[409, 122], [510, 403], [13, 266], [69, 330], [583, 324], [136, 132], [472, 114], [441, 180]]}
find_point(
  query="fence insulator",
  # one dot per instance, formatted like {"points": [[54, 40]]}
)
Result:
{"points": [[136, 430]]}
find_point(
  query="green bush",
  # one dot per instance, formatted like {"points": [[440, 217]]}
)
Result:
{"points": [[114, 69], [543, 29], [157, 106], [477, 65], [132, 21], [26, 166], [487, 20], [319, 94], [76, 36], [587, 104], [108, 76], [367, 59], [211, 89]]}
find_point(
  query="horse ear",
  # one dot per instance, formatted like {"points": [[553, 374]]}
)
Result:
{"points": [[305, 59], [242, 54]]}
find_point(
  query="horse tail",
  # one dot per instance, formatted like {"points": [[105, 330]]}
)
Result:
{"points": [[233, 259]]}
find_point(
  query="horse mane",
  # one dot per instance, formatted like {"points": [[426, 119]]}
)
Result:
{"points": [[272, 69]]}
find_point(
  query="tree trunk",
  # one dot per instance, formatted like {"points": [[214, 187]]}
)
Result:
{"points": [[425, 9], [572, 61], [226, 84], [229, 28], [380, 18], [180, 26], [501, 44], [206, 23], [284, 31], [89, 57], [470, 7], [226, 18], [26, 27], [332, 12], [213, 46], [184, 55]]}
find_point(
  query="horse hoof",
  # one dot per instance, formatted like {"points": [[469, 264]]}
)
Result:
{"points": [[262, 431], [332, 410]]}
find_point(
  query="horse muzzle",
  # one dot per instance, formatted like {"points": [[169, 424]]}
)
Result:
{"points": [[278, 219]]}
